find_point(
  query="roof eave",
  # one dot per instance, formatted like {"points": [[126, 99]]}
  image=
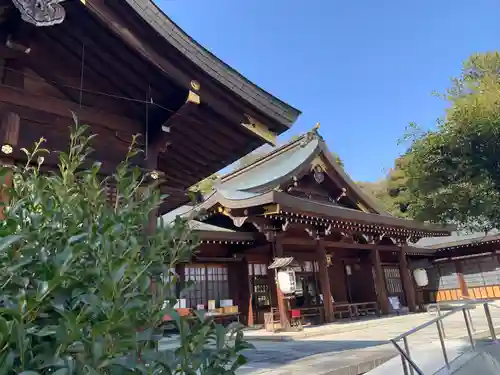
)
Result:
{"points": [[260, 99]]}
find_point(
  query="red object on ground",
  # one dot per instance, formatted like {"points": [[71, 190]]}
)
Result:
{"points": [[295, 313]]}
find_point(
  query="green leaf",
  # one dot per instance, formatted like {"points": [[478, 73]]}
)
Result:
{"points": [[46, 331], [118, 274], [6, 242], [77, 238], [240, 361], [66, 246]]}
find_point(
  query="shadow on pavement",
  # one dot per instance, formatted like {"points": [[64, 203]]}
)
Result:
{"points": [[271, 355]]}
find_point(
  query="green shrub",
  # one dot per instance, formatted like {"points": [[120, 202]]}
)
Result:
{"points": [[83, 288]]}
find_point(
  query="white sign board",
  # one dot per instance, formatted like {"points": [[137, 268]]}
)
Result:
{"points": [[395, 303]]}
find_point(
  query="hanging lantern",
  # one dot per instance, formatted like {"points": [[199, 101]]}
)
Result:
{"points": [[421, 278], [286, 281]]}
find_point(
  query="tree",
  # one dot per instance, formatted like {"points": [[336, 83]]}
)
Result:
{"points": [[391, 191], [206, 185], [453, 171], [84, 289]]}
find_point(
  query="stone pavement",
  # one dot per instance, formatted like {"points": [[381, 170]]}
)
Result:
{"points": [[349, 353]]}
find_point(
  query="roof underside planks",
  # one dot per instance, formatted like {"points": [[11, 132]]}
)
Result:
{"points": [[128, 61]]}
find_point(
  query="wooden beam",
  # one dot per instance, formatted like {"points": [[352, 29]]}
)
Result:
{"points": [[9, 53], [303, 241], [13, 73], [64, 108], [10, 129], [159, 140]]}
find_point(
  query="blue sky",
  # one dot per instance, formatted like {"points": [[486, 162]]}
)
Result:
{"points": [[364, 69]]}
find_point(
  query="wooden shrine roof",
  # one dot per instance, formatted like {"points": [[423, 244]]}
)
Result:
{"points": [[263, 189], [126, 68], [461, 244], [212, 65], [308, 211], [208, 233], [289, 162]]}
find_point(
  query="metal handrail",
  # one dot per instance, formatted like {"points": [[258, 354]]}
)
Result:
{"points": [[439, 318], [405, 353]]}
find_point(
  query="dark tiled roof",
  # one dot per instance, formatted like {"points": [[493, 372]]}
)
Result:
{"points": [[458, 240], [213, 66]]}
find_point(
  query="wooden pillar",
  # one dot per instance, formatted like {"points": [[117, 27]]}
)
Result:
{"points": [[152, 165], [324, 280], [282, 302], [10, 128], [250, 313], [181, 276], [407, 281], [239, 288], [271, 279], [461, 279], [12, 75], [4, 197], [380, 286]]}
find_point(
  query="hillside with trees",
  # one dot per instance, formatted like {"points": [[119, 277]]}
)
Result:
{"points": [[452, 172]]}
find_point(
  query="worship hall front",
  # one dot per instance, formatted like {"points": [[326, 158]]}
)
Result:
{"points": [[296, 209]]}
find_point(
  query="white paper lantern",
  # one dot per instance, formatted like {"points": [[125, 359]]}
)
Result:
{"points": [[286, 281], [421, 278]]}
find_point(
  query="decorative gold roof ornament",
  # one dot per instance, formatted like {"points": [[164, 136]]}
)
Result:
{"points": [[310, 135], [41, 12], [195, 85]]}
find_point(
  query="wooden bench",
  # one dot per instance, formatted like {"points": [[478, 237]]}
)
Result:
{"points": [[364, 309], [223, 318], [188, 314], [354, 310], [342, 310]]}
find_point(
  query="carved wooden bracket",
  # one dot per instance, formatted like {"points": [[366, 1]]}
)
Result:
{"points": [[313, 233], [400, 241], [41, 12], [347, 237], [285, 226], [412, 239], [160, 142], [238, 221], [260, 130]]}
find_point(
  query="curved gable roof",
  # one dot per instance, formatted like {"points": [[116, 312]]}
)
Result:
{"points": [[255, 186], [287, 161]]}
